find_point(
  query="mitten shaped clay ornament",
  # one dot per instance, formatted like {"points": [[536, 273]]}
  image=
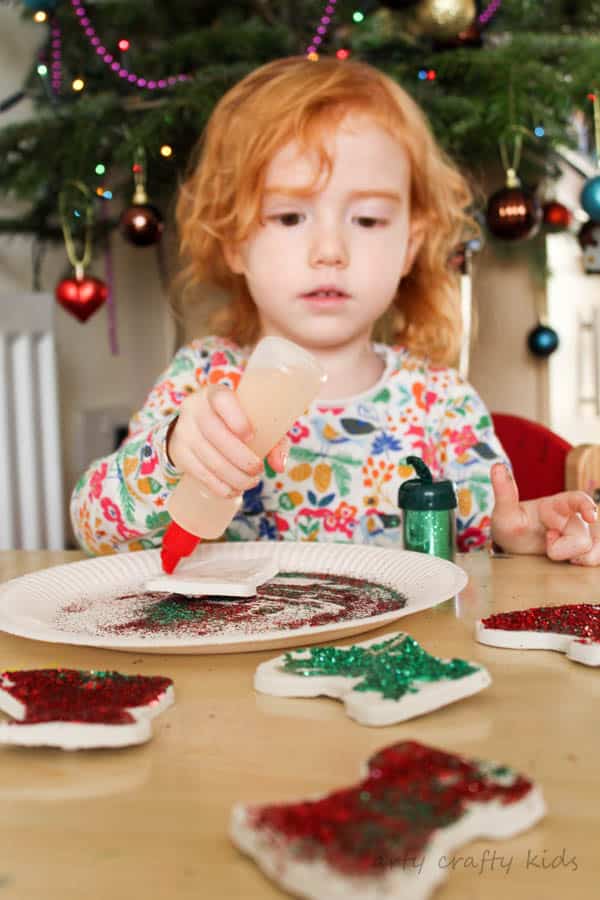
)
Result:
{"points": [[78, 709], [573, 629]]}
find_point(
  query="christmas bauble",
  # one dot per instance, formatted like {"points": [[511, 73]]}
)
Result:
{"points": [[589, 234], [590, 198], [81, 296], [41, 5], [399, 4], [542, 340], [142, 225], [444, 19], [556, 216], [513, 214]]}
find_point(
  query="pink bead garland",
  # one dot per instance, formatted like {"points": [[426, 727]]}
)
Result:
{"points": [[112, 63]]}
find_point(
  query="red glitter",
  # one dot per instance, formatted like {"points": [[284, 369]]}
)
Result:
{"points": [[300, 605], [73, 695], [577, 619], [388, 819]]}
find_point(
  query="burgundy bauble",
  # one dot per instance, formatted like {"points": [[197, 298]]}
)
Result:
{"points": [[589, 234], [142, 225], [513, 214], [556, 216], [81, 296]]}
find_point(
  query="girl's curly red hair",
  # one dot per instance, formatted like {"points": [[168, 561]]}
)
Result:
{"points": [[298, 99]]}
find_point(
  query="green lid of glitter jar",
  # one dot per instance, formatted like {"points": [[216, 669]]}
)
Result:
{"points": [[423, 492]]}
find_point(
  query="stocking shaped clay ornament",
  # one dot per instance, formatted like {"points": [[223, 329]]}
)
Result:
{"points": [[387, 836]]}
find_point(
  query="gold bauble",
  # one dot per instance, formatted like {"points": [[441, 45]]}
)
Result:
{"points": [[443, 19]]}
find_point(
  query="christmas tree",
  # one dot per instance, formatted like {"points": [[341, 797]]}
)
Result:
{"points": [[118, 85]]}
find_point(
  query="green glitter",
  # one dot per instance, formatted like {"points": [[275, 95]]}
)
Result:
{"points": [[170, 611], [390, 668]]}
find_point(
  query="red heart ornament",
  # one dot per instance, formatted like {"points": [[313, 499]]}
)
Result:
{"points": [[81, 296]]}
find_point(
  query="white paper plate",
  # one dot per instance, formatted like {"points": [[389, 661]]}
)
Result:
{"points": [[39, 605]]}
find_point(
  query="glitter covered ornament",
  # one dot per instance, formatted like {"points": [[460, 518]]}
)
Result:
{"points": [[573, 629], [385, 836], [380, 681], [75, 709]]}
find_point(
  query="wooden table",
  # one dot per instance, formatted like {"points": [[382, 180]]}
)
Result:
{"points": [[151, 822]]}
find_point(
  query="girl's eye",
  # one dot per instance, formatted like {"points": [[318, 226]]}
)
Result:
{"points": [[369, 221], [288, 219]]}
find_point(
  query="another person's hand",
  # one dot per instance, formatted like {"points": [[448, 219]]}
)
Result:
{"points": [[208, 442], [563, 526]]}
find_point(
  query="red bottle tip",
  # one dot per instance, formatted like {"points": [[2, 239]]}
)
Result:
{"points": [[177, 543]]}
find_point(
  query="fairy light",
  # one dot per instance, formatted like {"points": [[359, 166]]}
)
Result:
{"points": [[342, 53], [114, 65], [40, 17], [123, 45], [358, 16], [100, 169], [166, 150], [539, 131], [42, 69]]}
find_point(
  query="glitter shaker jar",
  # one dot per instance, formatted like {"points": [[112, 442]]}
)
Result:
{"points": [[429, 517]]}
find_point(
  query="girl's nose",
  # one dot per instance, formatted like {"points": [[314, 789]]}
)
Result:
{"points": [[328, 248]]}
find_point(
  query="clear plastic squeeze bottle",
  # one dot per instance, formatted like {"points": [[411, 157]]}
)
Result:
{"points": [[278, 384]]}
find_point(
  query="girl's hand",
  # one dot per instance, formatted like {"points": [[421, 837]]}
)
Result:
{"points": [[208, 442], [563, 526]]}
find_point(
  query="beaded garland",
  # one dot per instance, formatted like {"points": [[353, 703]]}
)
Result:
{"points": [[389, 818], [74, 695], [391, 667], [577, 619]]}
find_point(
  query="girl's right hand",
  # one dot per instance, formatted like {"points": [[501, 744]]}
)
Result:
{"points": [[208, 442]]}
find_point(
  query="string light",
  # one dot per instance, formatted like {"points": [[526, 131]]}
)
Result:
{"points": [[123, 45], [42, 69], [100, 169], [166, 150], [78, 84], [40, 17], [539, 131], [342, 54], [358, 16]]}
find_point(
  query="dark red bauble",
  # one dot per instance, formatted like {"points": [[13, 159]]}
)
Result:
{"points": [[556, 216], [513, 214], [142, 225], [589, 234], [81, 296]]}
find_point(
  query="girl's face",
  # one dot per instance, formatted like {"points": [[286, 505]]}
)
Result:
{"points": [[322, 268]]}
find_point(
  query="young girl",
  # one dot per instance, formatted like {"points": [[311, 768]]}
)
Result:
{"points": [[323, 206]]}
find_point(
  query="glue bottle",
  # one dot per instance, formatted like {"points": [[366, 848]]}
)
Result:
{"points": [[278, 384]]}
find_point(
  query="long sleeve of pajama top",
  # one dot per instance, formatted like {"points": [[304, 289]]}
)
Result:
{"points": [[345, 466]]}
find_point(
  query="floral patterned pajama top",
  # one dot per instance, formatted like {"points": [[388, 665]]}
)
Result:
{"points": [[345, 466]]}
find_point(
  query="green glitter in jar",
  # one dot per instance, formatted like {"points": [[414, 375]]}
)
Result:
{"points": [[393, 667]]}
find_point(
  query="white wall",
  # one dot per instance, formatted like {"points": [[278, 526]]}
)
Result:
{"points": [[90, 377]]}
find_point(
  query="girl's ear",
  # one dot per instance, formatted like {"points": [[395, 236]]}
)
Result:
{"points": [[234, 258], [415, 241]]}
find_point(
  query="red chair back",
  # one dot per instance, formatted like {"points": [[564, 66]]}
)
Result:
{"points": [[538, 455]]}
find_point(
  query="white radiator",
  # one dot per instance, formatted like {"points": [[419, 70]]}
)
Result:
{"points": [[31, 483]]}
